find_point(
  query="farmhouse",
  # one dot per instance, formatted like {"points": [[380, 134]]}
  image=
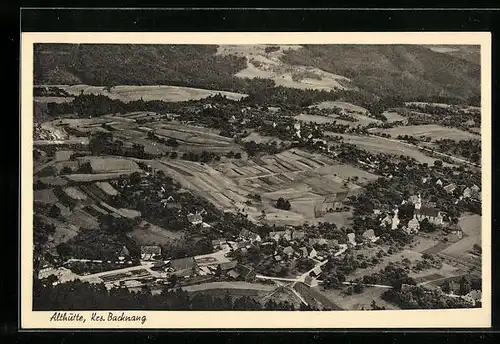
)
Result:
{"points": [[246, 272], [249, 235], [225, 267], [194, 219], [316, 272], [334, 202], [184, 267], [150, 252], [431, 214], [310, 281]]}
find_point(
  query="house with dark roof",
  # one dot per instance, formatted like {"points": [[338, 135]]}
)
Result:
{"points": [[431, 214], [227, 266], [247, 273], [184, 267]]}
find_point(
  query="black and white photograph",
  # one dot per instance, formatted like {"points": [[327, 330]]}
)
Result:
{"points": [[304, 178]]}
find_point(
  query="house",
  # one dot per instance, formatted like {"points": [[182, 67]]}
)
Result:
{"points": [[456, 230], [395, 219], [303, 252], [194, 219], [184, 267], [313, 253], [439, 182], [289, 251], [467, 193], [310, 281], [225, 267], [413, 225], [233, 274], [431, 214], [474, 296], [150, 252], [124, 252], [334, 202], [246, 272], [386, 221], [275, 236], [298, 235], [370, 235], [352, 238], [377, 211], [450, 188], [316, 271], [250, 236], [416, 201], [277, 258], [217, 243]]}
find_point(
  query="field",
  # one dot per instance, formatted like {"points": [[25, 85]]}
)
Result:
{"points": [[268, 65], [358, 301], [375, 144], [302, 178], [434, 131], [149, 234], [460, 251], [148, 93], [91, 177], [109, 164], [347, 107], [393, 116], [323, 119], [258, 138], [53, 99]]}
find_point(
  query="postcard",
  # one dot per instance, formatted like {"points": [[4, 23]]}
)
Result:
{"points": [[256, 180]]}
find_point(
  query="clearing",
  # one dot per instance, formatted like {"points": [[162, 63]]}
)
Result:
{"points": [[434, 131], [375, 144], [148, 93]]}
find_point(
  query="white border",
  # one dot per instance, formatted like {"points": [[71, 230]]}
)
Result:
{"points": [[480, 318]]}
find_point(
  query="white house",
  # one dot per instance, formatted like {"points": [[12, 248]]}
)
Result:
{"points": [[413, 225]]}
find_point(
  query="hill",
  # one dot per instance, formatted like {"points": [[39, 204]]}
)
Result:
{"points": [[135, 64], [411, 72], [406, 71]]}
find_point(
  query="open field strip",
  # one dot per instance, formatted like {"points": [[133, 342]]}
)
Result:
{"points": [[149, 92], [434, 131]]}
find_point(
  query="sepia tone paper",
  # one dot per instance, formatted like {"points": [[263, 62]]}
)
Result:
{"points": [[449, 318]]}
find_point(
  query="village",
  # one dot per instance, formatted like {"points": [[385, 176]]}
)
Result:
{"points": [[306, 198]]}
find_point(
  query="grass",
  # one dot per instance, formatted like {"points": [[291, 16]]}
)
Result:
{"points": [[434, 131], [374, 144], [149, 234]]}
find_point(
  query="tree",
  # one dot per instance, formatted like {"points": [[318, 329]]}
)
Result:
{"points": [[237, 155], [465, 286], [174, 155], [172, 279], [438, 163], [66, 170], [280, 203], [359, 288], [54, 211]]}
